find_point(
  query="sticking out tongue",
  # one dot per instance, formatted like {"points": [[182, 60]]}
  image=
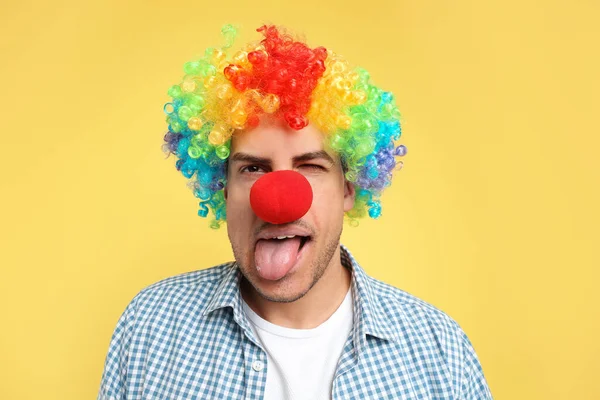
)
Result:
{"points": [[275, 257]]}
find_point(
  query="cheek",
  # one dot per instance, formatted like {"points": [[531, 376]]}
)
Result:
{"points": [[237, 204], [328, 199]]}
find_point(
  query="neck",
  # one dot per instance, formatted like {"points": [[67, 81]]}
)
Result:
{"points": [[312, 309]]}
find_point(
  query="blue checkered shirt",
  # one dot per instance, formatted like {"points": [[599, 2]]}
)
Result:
{"points": [[187, 337]]}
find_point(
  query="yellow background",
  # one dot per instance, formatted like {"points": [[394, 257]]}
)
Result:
{"points": [[493, 219]]}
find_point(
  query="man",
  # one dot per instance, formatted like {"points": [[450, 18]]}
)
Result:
{"points": [[284, 142]]}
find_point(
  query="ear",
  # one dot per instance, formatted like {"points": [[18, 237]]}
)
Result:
{"points": [[349, 193]]}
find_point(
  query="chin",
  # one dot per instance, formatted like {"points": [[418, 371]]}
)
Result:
{"points": [[284, 292]]}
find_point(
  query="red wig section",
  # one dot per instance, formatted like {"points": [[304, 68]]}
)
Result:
{"points": [[286, 68]]}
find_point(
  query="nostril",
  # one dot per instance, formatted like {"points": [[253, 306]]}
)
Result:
{"points": [[281, 196]]}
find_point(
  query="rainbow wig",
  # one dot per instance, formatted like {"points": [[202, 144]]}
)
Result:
{"points": [[281, 76]]}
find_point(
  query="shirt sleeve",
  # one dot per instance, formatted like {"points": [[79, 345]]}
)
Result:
{"points": [[473, 383], [113, 385]]}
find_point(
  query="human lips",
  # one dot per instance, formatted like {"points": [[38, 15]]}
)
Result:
{"points": [[283, 232]]}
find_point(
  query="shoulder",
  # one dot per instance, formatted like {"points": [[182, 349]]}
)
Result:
{"points": [[399, 304], [184, 290], [420, 323], [432, 334], [151, 319]]}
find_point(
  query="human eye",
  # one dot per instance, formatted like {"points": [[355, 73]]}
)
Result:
{"points": [[315, 167], [252, 169]]}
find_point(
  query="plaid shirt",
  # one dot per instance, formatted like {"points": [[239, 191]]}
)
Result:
{"points": [[187, 337]]}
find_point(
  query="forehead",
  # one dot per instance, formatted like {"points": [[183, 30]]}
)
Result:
{"points": [[274, 138]]}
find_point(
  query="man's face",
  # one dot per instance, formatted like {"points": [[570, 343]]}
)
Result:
{"points": [[273, 146]]}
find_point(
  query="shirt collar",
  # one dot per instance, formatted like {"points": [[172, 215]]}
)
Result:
{"points": [[369, 314]]}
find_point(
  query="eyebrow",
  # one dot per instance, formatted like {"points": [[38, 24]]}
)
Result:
{"points": [[312, 155]]}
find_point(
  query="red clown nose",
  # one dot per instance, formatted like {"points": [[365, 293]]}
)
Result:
{"points": [[281, 196]]}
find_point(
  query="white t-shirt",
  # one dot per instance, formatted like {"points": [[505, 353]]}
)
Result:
{"points": [[301, 362]]}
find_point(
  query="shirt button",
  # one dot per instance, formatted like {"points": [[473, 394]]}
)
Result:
{"points": [[257, 365]]}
